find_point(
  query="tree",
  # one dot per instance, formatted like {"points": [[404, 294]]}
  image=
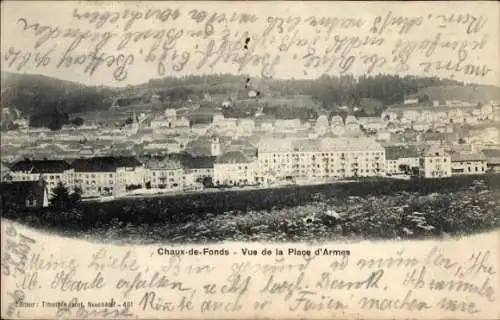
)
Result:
{"points": [[60, 196], [360, 113], [423, 99], [405, 168], [415, 171], [6, 177], [55, 125], [77, 121], [206, 181], [76, 196]]}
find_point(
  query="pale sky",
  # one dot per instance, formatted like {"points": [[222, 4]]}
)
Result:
{"points": [[292, 62]]}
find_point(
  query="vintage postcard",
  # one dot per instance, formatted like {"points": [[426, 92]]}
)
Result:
{"points": [[250, 160]]}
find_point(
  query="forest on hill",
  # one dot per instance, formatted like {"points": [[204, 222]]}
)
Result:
{"points": [[48, 101]]}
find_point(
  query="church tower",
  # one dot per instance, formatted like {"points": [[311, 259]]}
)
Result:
{"points": [[215, 146]]}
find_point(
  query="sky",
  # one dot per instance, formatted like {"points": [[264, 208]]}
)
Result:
{"points": [[311, 53]]}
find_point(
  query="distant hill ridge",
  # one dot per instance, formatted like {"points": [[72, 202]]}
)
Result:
{"points": [[471, 92], [38, 94]]}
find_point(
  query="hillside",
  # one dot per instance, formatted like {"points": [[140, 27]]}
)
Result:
{"points": [[37, 94], [480, 93], [43, 98]]}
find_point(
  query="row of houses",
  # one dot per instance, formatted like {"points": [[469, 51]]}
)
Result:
{"points": [[435, 161], [441, 114], [274, 160]]}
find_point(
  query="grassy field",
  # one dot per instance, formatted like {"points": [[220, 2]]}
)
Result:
{"points": [[378, 209]]}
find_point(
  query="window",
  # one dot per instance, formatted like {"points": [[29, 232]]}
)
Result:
{"points": [[30, 203]]}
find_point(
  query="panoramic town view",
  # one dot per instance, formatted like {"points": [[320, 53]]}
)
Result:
{"points": [[225, 157]]}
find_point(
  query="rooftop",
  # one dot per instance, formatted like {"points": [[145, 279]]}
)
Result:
{"points": [[104, 164], [41, 166], [398, 152], [460, 157], [165, 164], [400, 109], [492, 155], [20, 191], [232, 157], [189, 161], [200, 147], [319, 145], [433, 150]]}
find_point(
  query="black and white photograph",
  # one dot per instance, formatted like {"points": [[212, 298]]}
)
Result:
{"points": [[205, 123]]}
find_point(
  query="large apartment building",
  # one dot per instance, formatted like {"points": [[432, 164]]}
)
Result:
{"points": [[234, 168], [435, 162], [319, 158], [399, 158], [107, 175], [164, 174], [468, 163], [52, 171]]}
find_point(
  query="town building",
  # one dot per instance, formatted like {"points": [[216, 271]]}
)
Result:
{"points": [[468, 163], [492, 160], [225, 124], [383, 135], [328, 158], [200, 129], [287, 125], [245, 127], [163, 174], [337, 126], [264, 123], [234, 168], [434, 162], [322, 125], [15, 195], [372, 123], [162, 146], [170, 113], [401, 159], [197, 167], [486, 136], [5, 172], [52, 171], [389, 116], [336, 120], [104, 176]]}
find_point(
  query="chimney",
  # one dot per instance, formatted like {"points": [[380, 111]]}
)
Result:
{"points": [[41, 181]]}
